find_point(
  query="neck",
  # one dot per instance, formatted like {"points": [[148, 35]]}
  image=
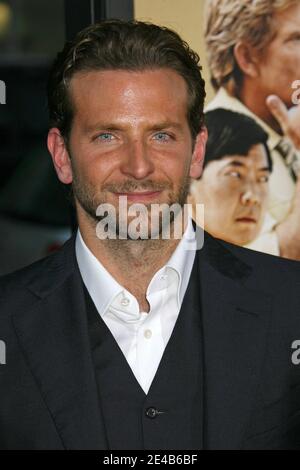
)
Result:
{"points": [[132, 263]]}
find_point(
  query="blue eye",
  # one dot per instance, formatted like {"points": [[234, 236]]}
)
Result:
{"points": [[105, 137], [162, 136]]}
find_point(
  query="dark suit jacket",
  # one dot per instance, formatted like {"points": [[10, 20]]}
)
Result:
{"points": [[251, 317]]}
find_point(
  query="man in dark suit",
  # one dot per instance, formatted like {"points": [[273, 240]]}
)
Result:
{"points": [[127, 338]]}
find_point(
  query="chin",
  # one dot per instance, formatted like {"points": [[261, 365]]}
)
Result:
{"points": [[238, 239], [244, 240]]}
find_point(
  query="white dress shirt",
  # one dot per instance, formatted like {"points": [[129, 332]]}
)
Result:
{"points": [[141, 336]]}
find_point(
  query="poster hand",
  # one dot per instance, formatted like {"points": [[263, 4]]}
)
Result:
{"points": [[288, 119]]}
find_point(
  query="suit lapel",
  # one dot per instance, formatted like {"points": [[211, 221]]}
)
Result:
{"points": [[54, 337], [235, 323]]}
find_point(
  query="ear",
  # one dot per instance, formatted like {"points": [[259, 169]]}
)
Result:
{"points": [[60, 156], [198, 154], [247, 59]]}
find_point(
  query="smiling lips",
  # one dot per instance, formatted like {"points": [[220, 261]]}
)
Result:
{"points": [[248, 220], [139, 195]]}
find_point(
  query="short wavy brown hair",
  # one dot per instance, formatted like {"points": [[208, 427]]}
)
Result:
{"points": [[132, 45], [230, 21]]}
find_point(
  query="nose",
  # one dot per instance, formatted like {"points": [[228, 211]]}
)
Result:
{"points": [[249, 198], [136, 161]]}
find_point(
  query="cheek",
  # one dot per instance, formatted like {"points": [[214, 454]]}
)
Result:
{"points": [[80, 170], [279, 72], [225, 193], [220, 201], [170, 164], [264, 197], [173, 169], [93, 169]]}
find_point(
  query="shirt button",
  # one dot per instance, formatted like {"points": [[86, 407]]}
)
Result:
{"points": [[147, 334], [125, 302], [151, 412]]}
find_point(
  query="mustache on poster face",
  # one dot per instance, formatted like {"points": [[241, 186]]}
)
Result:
{"points": [[131, 186]]}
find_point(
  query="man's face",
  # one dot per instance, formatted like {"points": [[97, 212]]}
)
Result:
{"points": [[130, 136], [234, 192], [279, 65]]}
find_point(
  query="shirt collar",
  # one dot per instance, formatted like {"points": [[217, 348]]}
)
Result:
{"points": [[100, 284], [103, 288], [182, 260], [224, 100]]}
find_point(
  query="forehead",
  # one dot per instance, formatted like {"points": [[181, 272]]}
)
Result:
{"points": [[255, 159], [124, 93], [287, 20]]}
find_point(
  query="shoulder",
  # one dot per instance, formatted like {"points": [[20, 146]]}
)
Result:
{"points": [[21, 276], [269, 267], [38, 276]]}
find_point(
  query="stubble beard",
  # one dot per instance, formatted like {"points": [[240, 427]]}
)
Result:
{"points": [[89, 199]]}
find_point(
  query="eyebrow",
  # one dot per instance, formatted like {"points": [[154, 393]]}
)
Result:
{"points": [[101, 126], [237, 163], [109, 126], [266, 168], [292, 35], [234, 163], [166, 125]]}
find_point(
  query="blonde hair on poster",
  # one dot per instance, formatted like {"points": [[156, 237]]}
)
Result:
{"points": [[230, 21]]}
